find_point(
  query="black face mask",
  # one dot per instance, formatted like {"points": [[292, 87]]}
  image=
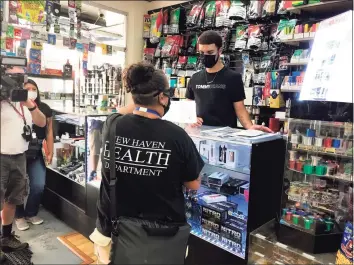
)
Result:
{"points": [[209, 60]]}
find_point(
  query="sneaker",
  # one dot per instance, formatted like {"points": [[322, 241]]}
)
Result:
{"points": [[11, 243], [35, 220], [21, 224]]}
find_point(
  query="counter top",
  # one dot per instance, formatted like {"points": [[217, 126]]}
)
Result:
{"points": [[231, 135]]}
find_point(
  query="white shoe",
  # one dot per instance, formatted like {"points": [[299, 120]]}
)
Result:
{"points": [[35, 220], [22, 224]]}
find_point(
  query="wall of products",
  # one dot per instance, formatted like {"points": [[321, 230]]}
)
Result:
{"points": [[268, 42]]}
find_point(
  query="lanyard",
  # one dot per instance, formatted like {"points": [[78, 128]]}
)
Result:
{"points": [[21, 115], [147, 110]]}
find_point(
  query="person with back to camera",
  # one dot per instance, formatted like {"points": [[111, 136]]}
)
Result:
{"points": [[153, 160], [16, 122], [36, 168]]}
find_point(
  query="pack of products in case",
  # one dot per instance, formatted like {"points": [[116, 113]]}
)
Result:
{"points": [[233, 230], [312, 222], [215, 213]]}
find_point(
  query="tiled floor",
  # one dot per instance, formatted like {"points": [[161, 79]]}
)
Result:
{"points": [[46, 248]]}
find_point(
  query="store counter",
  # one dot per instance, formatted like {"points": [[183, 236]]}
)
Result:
{"points": [[236, 160]]}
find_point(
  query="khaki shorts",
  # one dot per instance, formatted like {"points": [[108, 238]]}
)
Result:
{"points": [[14, 180], [95, 141]]}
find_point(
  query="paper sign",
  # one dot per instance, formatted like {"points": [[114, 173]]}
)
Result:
{"points": [[182, 112], [330, 70]]}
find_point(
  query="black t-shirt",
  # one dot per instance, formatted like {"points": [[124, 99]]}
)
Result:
{"points": [[47, 111], [153, 160], [214, 99]]}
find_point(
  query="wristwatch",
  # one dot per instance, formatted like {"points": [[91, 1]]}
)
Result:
{"points": [[32, 109]]}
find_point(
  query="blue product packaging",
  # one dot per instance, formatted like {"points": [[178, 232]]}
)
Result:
{"points": [[233, 231], [230, 205], [214, 213], [237, 216], [345, 253]]}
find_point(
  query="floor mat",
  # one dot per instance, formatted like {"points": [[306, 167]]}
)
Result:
{"points": [[80, 246], [20, 257]]}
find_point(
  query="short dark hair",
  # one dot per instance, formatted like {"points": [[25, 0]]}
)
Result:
{"points": [[210, 37], [145, 83]]}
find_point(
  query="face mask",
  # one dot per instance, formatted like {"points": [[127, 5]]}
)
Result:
{"points": [[32, 95], [209, 60], [167, 107]]}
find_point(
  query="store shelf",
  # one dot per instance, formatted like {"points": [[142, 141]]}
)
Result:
{"points": [[50, 77], [217, 243], [335, 177], [290, 90], [296, 64], [297, 41], [238, 173], [65, 176], [322, 152], [323, 7]]}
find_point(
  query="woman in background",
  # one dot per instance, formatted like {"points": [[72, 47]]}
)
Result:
{"points": [[36, 168]]}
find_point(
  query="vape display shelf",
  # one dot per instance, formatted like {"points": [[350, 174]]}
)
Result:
{"points": [[339, 177], [319, 172], [266, 249], [82, 183], [227, 206]]}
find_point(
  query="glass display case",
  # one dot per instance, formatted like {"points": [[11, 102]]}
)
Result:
{"points": [[318, 196], [227, 206], [265, 249]]}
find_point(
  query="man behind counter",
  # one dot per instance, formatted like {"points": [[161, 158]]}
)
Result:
{"points": [[218, 91]]}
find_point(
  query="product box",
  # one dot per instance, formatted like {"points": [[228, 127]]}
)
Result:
{"points": [[233, 230], [233, 186], [276, 99], [230, 205], [244, 187], [237, 216], [210, 234], [234, 245], [214, 213], [345, 253], [210, 225], [227, 155], [218, 178], [211, 198], [193, 211]]}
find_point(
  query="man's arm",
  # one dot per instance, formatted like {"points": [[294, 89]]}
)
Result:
{"points": [[50, 139], [242, 114], [245, 120], [38, 117]]}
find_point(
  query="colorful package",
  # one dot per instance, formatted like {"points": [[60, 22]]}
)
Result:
{"points": [[18, 33], [255, 9], [269, 8], [35, 68], [345, 253], [147, 24], [156, 27], [254, 37], [92, 47], [209, 20], [37, 45], [182, 62], [165, 26], [285, 29], [175, 16], [221, 13], [241, 37], [237, 10], [35, 56], [194, 14], [201, 18], [52, 39], [192, 62], [283, 6]]}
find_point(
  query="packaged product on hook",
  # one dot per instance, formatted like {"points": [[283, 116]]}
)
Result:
{"points": [[147, 24], [237, 10], [221, 13], [254, 37], [194, 14], [255, 9], [192, 63], [182, 62], [159, 47], [241, 37], [165, 26], [269, 8], [175, 16], [283, 6], [193, 45], [201, 18], [156, 27], [209, 20]]}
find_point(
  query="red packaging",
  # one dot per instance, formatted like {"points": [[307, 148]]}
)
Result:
{"points": [[327, 142], [274, 124], [299, 165], [292, 164]]}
